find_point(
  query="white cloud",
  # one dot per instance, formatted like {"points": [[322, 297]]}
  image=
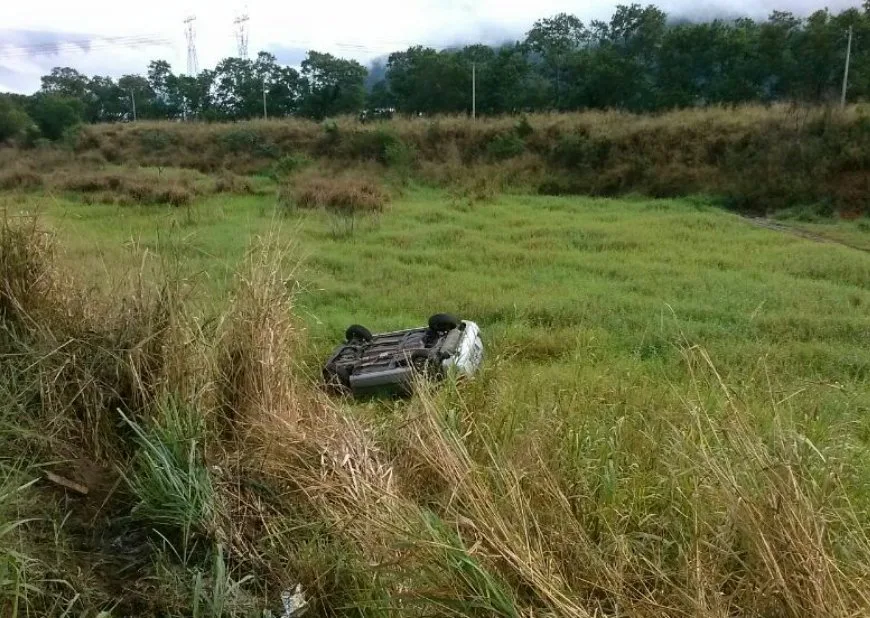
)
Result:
{"points": [[362, 30]]}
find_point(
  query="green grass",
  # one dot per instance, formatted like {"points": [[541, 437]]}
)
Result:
{"points": [[674, 401], [560, 282]]}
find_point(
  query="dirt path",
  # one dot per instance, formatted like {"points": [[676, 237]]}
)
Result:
{"points": [[794, 231]]}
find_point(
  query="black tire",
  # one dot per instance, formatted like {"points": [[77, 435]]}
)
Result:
{"points": [[356, 332], [443, 322]]}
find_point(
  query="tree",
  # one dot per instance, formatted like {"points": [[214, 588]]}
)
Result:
{"points": [[55, 114], [637, 60], [428, 81], [331, 86], [281, 84], [163, 84], [15, 124], [105, 100], [235, 95], [66, 82], [555, 39], [135, 90]]}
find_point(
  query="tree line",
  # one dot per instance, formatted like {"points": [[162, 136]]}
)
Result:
{"points": [[638, 61]]}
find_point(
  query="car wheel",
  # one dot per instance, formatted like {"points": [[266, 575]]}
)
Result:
{"points": [[443, 322], [357, 333]]}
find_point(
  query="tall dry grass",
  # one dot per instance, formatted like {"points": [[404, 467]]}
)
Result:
{"points": [[344, 194], [753, 157], [229, 478]]}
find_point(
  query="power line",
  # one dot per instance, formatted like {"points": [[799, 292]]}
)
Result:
{"points": [[84, 45], [190, 35]]}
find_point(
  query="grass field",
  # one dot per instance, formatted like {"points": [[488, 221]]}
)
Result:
{"points": [[673, 418]]}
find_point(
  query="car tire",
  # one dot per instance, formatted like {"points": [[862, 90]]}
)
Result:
{"points": [[356, 332], [443, 322]]}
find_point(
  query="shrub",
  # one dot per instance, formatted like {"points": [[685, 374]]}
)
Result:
{"points": [[174, 195], [291, 163], [111, 153], [382, 146], [155, 140], [54, 114], [126, 188], [578, 150], [399, 155], [505, 146], [238, 140], [14, 121], [228, 182], [19, 178], [346, 195], [523, 127]]}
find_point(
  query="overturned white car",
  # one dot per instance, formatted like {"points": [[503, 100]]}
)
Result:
{"points": [[388, 362]]}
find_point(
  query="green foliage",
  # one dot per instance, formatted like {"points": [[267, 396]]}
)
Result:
{"points": [[505, 146], [478, 591], [639, 60], [523, 127], [578, 150], [289, 164], [15, 124], [55, 114], [334, 86], [169, 479], [630, 411], [383, 146], [155, 140]]}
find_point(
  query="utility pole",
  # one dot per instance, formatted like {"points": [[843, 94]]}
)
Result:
{"points": [[265, 114], [846, 69], [473, 90], [133, 99]]}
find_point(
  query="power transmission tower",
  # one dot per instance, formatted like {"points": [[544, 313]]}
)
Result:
{"points": [[190, 35], [241, 24]]}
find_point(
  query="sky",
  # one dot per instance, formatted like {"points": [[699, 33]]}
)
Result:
{"points": [[115, 38]]}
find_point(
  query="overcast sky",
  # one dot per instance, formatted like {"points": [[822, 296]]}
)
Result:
{"points": [[36, 35]]}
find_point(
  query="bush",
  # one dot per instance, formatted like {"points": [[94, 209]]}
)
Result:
{"points": [[346, 195], [19, 178], [55, 115], [239, 140], [382, 146], [15, 124], [505, 146], [155, 140], [524, 127], [228, 182], [578, 150], [126, 188], [289, 164]]}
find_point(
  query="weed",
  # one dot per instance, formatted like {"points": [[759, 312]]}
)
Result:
{"points": [[169, 478]]}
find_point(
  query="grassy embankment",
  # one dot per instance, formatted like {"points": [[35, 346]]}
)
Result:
{"points": [[673, 417], [751, 158]]}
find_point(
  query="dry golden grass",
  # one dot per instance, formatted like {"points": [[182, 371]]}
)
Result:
{"points": [[342, 193], [759, 158], [231, 477]]}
